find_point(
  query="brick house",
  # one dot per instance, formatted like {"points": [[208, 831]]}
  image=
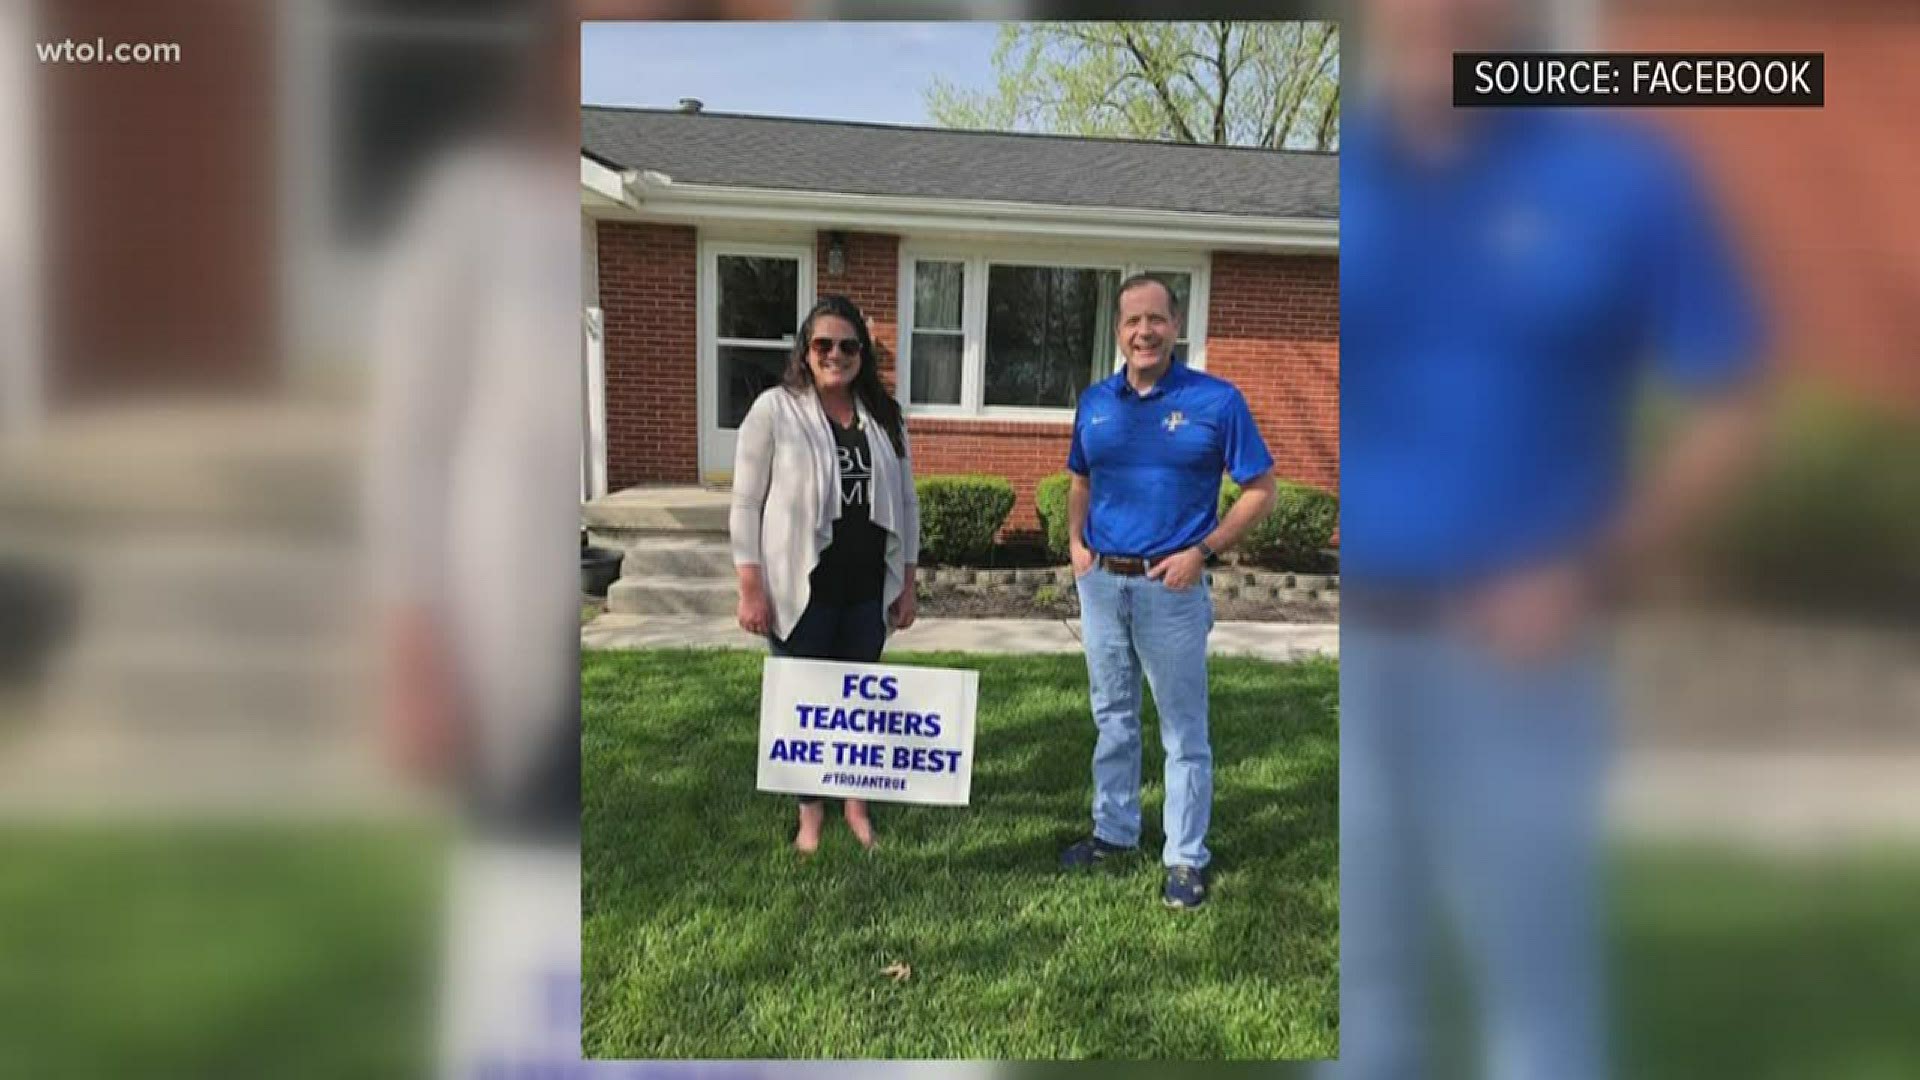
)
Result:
{"points": [[986, 263]]}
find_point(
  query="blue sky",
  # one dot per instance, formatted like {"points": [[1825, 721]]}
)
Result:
{"points": [[823, 70]]}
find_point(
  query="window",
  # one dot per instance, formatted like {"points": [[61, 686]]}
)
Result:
{"points": [[1049, 333], [1002, 334], [1182, 282], [939, 297], [758, 296]]}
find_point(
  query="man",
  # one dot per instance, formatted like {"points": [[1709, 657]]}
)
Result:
{"points": [[1506, 277], [1149, 445]]}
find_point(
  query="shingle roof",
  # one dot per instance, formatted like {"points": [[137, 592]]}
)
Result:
{"points": [[878, 159]]}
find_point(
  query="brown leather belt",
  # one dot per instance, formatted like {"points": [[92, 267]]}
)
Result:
{"points": [[1124, 565]]}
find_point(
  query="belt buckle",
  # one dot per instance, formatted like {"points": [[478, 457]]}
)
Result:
{"points": [[1124, 565]]}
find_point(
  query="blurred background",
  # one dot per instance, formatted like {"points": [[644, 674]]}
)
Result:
{"points": [[218, 860]]}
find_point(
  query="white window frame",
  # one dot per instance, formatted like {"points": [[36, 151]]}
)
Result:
{"points": [[707, 300], [22, 335], [975, 261]]}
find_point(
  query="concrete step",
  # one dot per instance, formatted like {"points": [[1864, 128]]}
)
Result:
{"points": [[153, 690], [269, 468], [680, 557], [627, 518], [630, 596], [248, 592]]}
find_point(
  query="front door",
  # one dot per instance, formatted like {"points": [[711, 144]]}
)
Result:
{"points": [[753, 298]]}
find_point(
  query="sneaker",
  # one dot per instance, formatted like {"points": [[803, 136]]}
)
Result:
{"points": [[1090, 852], [1186, 887]]}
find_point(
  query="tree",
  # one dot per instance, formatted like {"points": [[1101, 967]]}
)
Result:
{"points": [[1232, 83]]}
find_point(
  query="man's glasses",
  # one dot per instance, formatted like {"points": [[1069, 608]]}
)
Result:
{"points": [[823, 346]]}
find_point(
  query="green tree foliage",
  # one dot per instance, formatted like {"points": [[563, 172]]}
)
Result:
{"points": [[1273, 85]]}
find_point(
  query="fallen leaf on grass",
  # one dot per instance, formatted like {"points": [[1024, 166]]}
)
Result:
{"points": [[898, 972]]}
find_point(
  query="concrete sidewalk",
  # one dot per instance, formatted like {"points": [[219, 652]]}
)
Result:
{"points": [[1269, 641]]}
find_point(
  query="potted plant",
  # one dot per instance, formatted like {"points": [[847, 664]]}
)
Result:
{"points": [[599, 567]]}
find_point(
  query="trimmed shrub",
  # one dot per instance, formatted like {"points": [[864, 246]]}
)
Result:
{"points": [[1050, 499], [960, 515], [1295, 532], [1825, 524]]}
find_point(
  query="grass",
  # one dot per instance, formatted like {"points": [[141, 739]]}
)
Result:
{"points": [[217, 951], [1767, 968], [704, 935], [281, 950]]}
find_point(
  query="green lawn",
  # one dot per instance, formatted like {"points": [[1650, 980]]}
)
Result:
{"points": [[218, 951], [1767, 967], [705, 936]]}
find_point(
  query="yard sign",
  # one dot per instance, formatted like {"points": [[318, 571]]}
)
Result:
{"points": [[867, 731]]}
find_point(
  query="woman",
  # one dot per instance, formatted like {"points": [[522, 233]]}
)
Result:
{"points": [[825, 523]]}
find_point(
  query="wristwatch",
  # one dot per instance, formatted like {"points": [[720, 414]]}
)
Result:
{"points": [[1212, 556]]}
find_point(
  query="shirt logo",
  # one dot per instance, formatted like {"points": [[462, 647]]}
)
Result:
{"points": [[1092, 420], [1173, 421], [1518, 232]]}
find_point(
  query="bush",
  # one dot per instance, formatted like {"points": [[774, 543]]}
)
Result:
{"points": [[1295, 532], [1293, 535], [1826, 523], [959, 516], [1050, 499]]}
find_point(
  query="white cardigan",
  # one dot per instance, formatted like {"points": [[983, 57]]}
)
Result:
{"points": [[786, 497]]}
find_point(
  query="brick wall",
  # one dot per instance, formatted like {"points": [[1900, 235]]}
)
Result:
{"points": [[1273, 330], [871, 279], [160, 218], [1273, 325], [1820, 201], [648, 287], [1022, 452]]}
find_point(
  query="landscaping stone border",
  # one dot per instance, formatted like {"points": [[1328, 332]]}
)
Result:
{"points": [[1229, 582]]}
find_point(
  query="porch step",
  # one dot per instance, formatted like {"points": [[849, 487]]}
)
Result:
{"points": [[639, 596], [250, 591], [625, 518], [699, 556]]}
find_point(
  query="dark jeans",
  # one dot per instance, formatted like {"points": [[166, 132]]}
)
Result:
{"points": [[832, 631]]}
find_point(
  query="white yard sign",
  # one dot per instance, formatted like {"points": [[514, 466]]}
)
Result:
{"points": [[867, 731]]}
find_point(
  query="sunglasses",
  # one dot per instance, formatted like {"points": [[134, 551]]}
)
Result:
{"points": [[823, 346]]}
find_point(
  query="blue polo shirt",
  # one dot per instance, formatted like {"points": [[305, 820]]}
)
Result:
{"points": [[1154, 460], [1498, 313]]}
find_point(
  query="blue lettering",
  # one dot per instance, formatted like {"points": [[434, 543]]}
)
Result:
{"points": [[869, 687], [926, 760], [932, 721], [796, 750]]}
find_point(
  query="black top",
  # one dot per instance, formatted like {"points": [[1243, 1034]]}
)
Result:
{"points": [[853, 569]]}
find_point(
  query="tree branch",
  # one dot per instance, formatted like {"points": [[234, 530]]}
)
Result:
{"points": [[1223, 35], [1154, 79]]}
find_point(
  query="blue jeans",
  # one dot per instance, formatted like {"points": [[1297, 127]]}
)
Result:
{"points": [[1131, 625], [1471, 789]]}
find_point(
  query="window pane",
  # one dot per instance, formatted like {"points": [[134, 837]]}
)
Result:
{"points": [[936, 295], [758, 296], [1049, 330], [1182, 283], [744, 373], [936, 369]]}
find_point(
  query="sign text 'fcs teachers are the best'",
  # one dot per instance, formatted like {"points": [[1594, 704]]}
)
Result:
{"points": [[867, 731]]}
